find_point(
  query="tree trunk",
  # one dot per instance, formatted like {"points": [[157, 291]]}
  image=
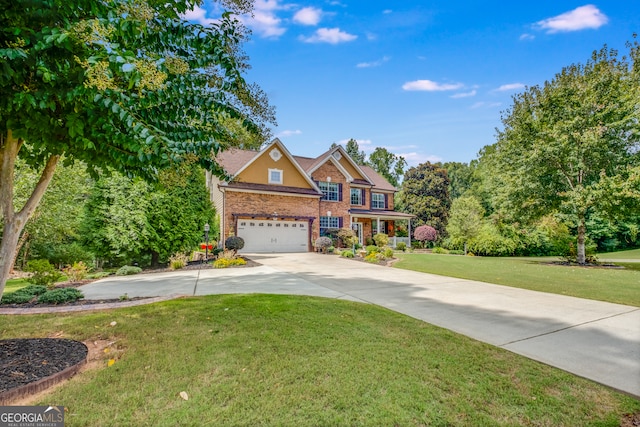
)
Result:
{"points": [[19, 246], [14, 222], [155, 259], [582, 231], [465, 248], [10, 236]]}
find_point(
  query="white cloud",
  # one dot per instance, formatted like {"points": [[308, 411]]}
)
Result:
{"points": [[198, 15], [286, 133], [387, 11], [464, 94], [580, 18], [264, 20], [377, 63], [363, 144], [308, 16], [510, 86], [527, 36], [431, 86], [415, 159], [329, 35]]}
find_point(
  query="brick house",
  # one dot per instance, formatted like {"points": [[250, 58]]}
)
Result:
{"points": [[278, 202]]}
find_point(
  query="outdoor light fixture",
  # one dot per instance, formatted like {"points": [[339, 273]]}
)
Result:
{"points": [[206, 241]]}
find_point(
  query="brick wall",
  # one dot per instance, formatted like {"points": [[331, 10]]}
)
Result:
{"points": [[238, 202], [339, 209]]}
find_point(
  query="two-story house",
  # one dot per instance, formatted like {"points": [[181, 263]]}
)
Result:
{"points": [[278, 202]]}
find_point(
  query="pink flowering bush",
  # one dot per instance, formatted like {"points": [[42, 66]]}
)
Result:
{"points": [[425, 233]]}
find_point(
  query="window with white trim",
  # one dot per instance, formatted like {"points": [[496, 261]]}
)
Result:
{"points": [[356, 196], [275, 176], [328, 222], [330, 191], [378, 201]]}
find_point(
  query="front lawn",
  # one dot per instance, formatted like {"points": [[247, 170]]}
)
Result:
{"points": [[620, 286], [15, 284], [302, 361], [630, 255]]}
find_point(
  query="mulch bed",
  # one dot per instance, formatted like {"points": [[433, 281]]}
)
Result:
{"points": [[31, 365]]}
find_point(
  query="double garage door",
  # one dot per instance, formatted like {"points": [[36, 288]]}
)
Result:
{"points": [[273, 236]]}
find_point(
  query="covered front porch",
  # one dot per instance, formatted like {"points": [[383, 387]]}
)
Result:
{"points": [[367, 223]]}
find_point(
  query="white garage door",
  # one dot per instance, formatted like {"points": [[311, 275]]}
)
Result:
{"points": [[273, 236]]}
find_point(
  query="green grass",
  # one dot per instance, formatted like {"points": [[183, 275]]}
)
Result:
{"points": [[15, 284], [620, 286], [631, 254], [302, 361]]}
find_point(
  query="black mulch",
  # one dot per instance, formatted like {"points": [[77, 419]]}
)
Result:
{"points": [[23, 361]]}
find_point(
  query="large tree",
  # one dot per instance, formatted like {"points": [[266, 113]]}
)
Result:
{"points": [[389, 165], [353, 150], [563, 141], [132, 220], [125, 84], [465, 220], [425, 193]]}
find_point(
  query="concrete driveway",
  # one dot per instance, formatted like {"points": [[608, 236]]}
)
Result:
{"points": [[592, 339]]}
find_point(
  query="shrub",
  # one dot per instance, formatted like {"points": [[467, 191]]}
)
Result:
{"points": [[381, 239], [77, 271], [60, 296], [369, 241], [228, 262], [128, 270], [228, 258], [44, 273], [372, 257], [178, 261], [371, 249], [346, 254], [425, 233], [388, 253], [456, 252], [439, 250], [402, 246], [323, 243], [23, 295], [66, 254], [491, 242], [234, 243], [98, 275], [331, 249], [348, 237]]}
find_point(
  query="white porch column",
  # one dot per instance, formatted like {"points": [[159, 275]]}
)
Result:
{"points": [[409, 229], [378, 226]]}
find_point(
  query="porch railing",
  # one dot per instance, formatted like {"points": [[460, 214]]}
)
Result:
{"points": [[393, 241]]}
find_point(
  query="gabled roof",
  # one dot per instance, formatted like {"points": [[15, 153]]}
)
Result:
{"points": [[235, 160], [329, 156], [379, 182]]}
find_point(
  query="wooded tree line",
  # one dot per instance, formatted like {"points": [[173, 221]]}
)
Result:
{"points": [[562, 178], [115, 220]]}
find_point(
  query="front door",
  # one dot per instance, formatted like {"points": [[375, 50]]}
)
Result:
{"points": [[357, 227]]}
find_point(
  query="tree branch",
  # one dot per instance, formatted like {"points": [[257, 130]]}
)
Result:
{"points": [[38, 191], [9, 147]]}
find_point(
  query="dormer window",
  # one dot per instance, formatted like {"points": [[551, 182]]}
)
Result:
{"points": [[275, 176]]}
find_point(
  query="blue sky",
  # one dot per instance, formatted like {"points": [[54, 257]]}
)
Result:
{"points": [[427, 80]]}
